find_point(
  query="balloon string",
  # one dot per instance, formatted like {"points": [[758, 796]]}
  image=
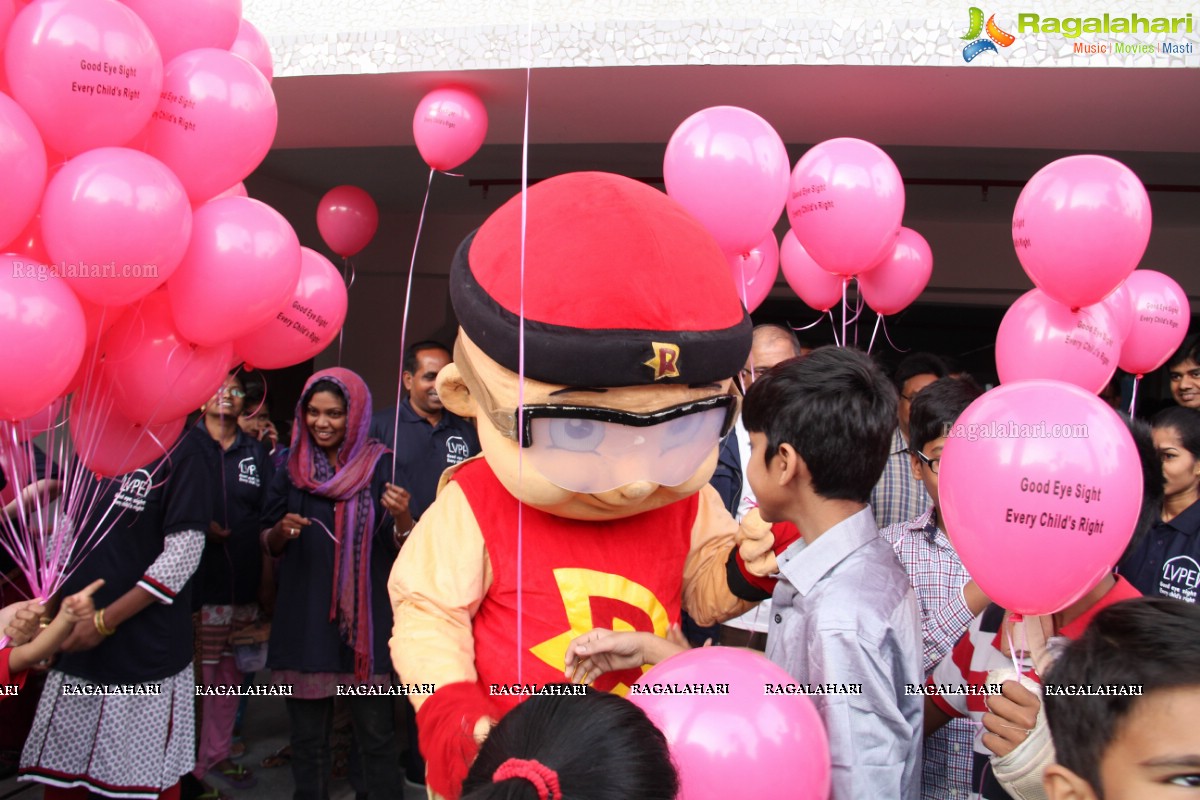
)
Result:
{"points": [[1133, 396], [833, 324], [521, 346], [412, 267], [878, 320], [887, 336], [845, 285], [813, 324]]}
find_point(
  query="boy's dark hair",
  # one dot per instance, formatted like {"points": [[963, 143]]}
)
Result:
{"points": [[837, 409], [1153, 482], [1153, 642], [935, 408], [410, 353], [602, 746], [1186, 421], [1189, 350], [918, 364]]}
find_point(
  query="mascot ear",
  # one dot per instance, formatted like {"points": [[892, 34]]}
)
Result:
{"points": [[453, 391]]}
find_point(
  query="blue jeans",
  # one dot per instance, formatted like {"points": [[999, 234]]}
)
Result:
{"points": [[375, 739]]}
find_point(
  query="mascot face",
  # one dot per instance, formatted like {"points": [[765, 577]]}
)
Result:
{"points": [[584, 452]]}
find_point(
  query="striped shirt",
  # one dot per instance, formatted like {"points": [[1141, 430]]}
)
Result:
{"points": [[898, 496], [979, 652], [937, 575]]}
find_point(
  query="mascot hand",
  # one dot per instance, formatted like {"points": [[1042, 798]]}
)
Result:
{"points": [[452, 723], [756, 545]]}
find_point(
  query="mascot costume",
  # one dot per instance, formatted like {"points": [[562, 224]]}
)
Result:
{"points": [[591, 508]]}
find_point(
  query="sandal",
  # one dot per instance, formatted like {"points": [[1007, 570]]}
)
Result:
{"points": [[280, 758], [237, 749], [237, 776]]}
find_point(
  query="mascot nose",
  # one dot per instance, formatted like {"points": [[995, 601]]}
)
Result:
{"points": [[638, 490]]}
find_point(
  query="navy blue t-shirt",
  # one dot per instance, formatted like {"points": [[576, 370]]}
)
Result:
{"points": [[230, 570], [424, 451], [302, 636], [1167, 562], [171, 495]]}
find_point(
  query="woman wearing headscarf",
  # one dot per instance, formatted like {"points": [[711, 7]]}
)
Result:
{"points": [[335, 524]]}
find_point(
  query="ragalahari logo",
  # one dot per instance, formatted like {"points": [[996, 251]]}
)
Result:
{"points": [[977, 44]]}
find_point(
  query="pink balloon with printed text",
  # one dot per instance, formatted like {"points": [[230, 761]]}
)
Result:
{"points": [[347, 218], [845, 203], [42, 328], [241, 266], [1041, 485], [116, 222], [895, 282], [728, 167], [215, 121], [449, 127], [87, 71], [754, 273], [1039, 337], [306, 324], [1080, 227], [819, 289], [153, 374], [110, 444], [1120, 306], [182, 25], [23, 165], [746, 743], [1161, 312]]}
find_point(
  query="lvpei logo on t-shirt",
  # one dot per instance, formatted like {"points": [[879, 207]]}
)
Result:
{"points": [[135, 488]]}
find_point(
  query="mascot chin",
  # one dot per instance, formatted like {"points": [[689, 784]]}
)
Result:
{"points": [[592, 507]]}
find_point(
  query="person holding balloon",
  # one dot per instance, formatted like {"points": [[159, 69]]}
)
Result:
{"points": [[1012, 744], [335, 521], [1164, 562]]}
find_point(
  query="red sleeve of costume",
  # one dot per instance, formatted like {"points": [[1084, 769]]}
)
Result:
{"points": [[446, 725], [785, 534], [6, 677]]}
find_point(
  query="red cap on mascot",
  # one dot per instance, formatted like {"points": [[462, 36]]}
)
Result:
{"points": [[622, 287]]}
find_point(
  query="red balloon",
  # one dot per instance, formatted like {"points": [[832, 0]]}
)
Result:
{"points": [[153, 374], [42, 330], [241, 266], [347, 218], [116, 223], [894, 283], [306, 324], [449, 126], [182, 25], [251, 45], [216, 120], [23, 165], [88, 72], [110, 444]]}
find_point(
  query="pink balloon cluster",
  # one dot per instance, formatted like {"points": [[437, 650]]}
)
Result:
{"points": [[1079, 229], [132, 258]]}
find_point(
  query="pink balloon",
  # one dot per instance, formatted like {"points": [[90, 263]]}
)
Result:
{"points": [[894, 283], [8, 10], [754, 273], [152, 373], [87, 71], [1041, 486], [23, 165], [1039, 337], [241, 265], [251, 45], [728, 167], [449, 126], [741, 744], [109, 444], [1161, 313], [819, 289], [1080, 226], [306, 324], [215, 122], [42, 328], [98, 320], [347, 218], [116, 223], [29, 242], [36, 423], [182, 25], [845, 203], [1120, 305]]}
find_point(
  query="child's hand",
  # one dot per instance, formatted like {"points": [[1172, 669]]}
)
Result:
{"points": [[20, 621], [1011, 718], [79, 606]]}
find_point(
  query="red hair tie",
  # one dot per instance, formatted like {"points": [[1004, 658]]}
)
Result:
{"points": [[544, 779]]}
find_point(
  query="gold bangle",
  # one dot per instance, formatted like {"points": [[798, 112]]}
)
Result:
{"points": [[98, 621]]}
